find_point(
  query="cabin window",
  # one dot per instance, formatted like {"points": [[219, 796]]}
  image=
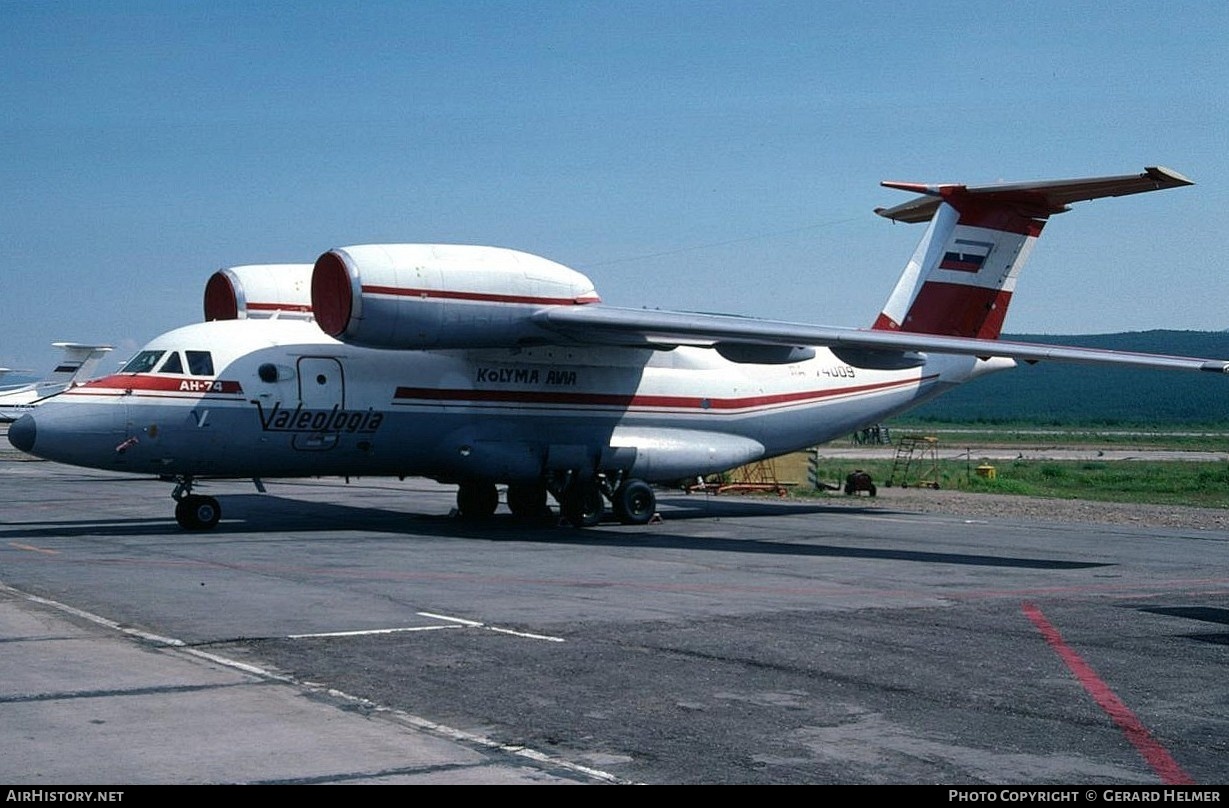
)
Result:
{"points": [[200, 363], [143, 362], [173, 364]]}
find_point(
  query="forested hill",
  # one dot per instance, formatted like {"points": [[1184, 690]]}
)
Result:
{"points": [[1054, 392]]}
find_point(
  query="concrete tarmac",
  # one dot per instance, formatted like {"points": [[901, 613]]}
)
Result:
{"points": [[85, 702], [333, 633]]}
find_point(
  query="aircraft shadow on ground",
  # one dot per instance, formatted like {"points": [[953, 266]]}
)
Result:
{"points": [[1204, 614], [279, 518]]}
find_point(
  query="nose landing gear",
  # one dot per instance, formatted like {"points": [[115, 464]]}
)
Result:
{"points": [[193, 511]]}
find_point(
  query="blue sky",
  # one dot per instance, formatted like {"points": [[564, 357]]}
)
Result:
{"points": [[718, 156]]}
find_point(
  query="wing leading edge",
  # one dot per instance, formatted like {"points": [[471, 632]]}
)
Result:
{"points": [[601, 324]]}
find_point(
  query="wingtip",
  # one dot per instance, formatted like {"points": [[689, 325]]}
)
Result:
{"points": [[913, 187], [1167, 176]]}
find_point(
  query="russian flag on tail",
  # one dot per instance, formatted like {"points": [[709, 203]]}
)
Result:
{"points": [[967, 256]]}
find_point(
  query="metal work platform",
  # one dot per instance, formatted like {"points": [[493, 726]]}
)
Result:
{"points": [[919, 454]]}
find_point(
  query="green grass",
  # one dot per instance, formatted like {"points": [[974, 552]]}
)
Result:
{"points": [[1203, 484], [1200, 438]]}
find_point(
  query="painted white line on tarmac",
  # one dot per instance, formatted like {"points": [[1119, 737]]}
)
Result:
{"points": [[365, 632], [93, 618], [461, 620], [497, 629], [399, 716]]}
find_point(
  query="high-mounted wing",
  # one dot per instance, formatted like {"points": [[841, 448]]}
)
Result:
{"points": [[867, 348], [951, 298]]}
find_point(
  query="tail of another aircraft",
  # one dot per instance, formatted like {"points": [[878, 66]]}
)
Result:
{"points": [[960, 279], [78, 363]]}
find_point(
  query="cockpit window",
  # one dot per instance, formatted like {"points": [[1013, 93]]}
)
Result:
{"points": [[200, 363], [172, 364], [143, 362]]}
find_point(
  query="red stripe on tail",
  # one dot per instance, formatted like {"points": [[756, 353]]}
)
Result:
{"points": [[957, 310]]}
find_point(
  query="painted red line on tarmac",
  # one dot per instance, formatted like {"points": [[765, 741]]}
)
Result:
{"points": [[33, 549], [1157, 756]]}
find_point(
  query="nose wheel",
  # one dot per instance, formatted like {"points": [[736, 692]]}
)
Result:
{"points": [[193, 511]]}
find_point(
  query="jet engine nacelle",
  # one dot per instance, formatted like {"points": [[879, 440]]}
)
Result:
{"points": [[259, 291], [439, 295]]}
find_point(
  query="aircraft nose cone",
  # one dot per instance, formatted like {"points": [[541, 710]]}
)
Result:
{"points": [[22, 432]]}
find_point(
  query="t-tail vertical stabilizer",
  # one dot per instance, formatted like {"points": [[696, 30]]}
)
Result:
{"points": [[76, 366], [960, 279]]}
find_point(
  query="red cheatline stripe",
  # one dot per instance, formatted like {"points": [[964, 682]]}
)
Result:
{"points": [[174, 383], [445, 294], [1157, 756], [146, 395], [632, 400]]}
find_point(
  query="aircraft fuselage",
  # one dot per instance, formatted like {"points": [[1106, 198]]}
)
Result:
{"points": [[287, 401]]}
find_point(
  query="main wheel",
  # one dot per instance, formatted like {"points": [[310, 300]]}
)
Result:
{"points": [[582, 504], [195, 512], [527, 501], [634, 502], [477, 500]]}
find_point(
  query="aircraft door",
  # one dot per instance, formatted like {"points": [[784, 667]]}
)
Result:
{"points": [[322, 390]]}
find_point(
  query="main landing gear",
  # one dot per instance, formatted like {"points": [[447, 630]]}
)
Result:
{"points": [[634, 502], [581, 502], [479, 500], [193, 511]]}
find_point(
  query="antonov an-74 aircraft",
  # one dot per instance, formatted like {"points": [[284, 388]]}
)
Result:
{"points": [[485, 366]]}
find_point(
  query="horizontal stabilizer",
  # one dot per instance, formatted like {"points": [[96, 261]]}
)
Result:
{"points": [[1039, 199]]}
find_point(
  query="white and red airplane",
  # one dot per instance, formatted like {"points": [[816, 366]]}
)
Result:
{"points": [[485, 366], [77, 365]]}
